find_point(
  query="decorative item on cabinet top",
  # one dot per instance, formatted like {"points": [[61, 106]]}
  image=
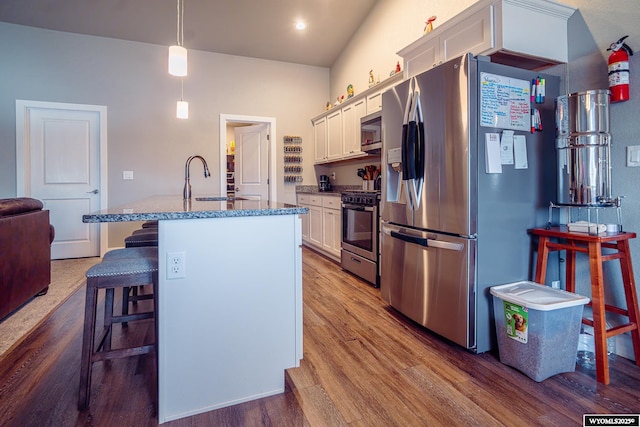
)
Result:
{"points": [[292, 154]]}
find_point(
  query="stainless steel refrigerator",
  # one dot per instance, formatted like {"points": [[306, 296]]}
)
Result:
{"points": [[464, 178]]}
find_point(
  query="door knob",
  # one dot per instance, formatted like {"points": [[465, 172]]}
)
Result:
{"points": [[95, 191]]}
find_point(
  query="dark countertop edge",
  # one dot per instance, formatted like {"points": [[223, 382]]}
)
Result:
{"points": [[325, 193], [336, 190], [151, 216]]}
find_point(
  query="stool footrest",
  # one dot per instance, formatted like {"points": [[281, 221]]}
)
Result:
{"points": [[131, 317], [621, 329], [125, 352], [140, 297], [610, 309]]}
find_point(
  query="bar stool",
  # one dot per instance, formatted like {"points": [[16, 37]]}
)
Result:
{"points": [[592, 245], [118, 272], [145, 231], [132, 294], [141, 239]]}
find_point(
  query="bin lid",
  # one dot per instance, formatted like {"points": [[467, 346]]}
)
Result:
{"points": [[536, 296]]}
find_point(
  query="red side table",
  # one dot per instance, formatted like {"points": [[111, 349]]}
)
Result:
{"points": [[592, 245]]}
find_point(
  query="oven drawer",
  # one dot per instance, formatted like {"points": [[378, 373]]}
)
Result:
{"points": [[359, 266]]}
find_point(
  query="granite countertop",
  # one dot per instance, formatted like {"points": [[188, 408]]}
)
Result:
{"points": [[335, 190], [173, 207]]}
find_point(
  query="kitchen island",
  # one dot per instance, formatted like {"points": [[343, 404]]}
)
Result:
{"points": [[233, 323]]}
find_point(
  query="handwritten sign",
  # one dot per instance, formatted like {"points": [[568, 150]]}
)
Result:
{"points": [[505, 102]]}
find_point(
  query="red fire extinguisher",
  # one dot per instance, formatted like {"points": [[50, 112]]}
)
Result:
{"points": [[619, 70]]}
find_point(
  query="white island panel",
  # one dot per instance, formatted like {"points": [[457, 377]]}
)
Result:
{"points": [[229, 329]]}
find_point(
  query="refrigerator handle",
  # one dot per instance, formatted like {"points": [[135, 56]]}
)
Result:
{"points": [[410, 239], [427, 242], [405, 150], [412, 150]]}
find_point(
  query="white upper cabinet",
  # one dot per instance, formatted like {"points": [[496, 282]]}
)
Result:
{"points": [[529, 34], [320, 139], [472, 34], [351, 115], [337, 131], [334, 135], [374, 102]]}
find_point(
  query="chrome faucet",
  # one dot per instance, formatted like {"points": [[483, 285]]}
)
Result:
{"points": [[186, 193]]}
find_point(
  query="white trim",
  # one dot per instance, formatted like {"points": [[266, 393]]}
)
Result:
{"points": [[23, 186], [233, 118]]}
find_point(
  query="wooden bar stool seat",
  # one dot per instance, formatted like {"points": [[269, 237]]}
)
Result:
{"points": [[617, 248], [117, 272]]}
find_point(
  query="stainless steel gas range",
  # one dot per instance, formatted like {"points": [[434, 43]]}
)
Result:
{"points": [[360, 227]]}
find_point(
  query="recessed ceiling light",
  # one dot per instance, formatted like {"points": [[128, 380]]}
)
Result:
{"points": [[300, 25]]}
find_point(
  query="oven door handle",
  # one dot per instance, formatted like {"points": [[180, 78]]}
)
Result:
{"points": [[358, 207]]}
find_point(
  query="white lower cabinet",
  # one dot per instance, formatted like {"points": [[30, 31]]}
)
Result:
{"points": [[331, 226], [323, 222], [315, 225], [303, 200]]}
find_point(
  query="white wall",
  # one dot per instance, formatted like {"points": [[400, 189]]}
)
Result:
{"points": [[391, 25], [143, 134]]}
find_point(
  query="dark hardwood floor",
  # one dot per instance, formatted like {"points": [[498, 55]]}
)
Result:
{"points": [[364, 365]]}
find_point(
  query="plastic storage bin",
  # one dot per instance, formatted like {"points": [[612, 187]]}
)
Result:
{"points": [[537, 328]]}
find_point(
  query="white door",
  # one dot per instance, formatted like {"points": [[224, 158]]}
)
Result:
{"points": [[59, 162], [252, 161]]}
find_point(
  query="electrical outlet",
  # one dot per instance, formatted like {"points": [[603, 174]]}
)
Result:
{"points": [[176, 265], [555, 284], [333, 175]]}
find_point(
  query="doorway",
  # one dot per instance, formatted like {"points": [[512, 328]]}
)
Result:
{"points": [[61, 154], [253, 157]]}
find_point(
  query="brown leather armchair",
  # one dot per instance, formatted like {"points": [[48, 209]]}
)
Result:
{"points": [[25, 244]]}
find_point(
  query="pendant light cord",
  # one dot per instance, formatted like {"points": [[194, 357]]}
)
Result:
{"points": [[180, 23]]}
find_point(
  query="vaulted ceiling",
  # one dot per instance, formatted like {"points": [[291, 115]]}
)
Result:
{"points": [[255, 28]]}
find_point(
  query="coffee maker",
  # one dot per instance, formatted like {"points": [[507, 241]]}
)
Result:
{"points": [[324, 184]]}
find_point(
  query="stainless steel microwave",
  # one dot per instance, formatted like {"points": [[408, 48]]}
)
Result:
{"points": [[371, 133]]}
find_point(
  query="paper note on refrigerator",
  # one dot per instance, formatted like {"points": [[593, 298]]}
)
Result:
{"points": [[492, 153], [520, 151], [506, 147]]}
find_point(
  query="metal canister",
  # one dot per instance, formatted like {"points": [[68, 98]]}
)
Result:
{"points": [[589, 111], [584, 149]]}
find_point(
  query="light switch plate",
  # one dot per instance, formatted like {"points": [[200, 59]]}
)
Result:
{"points": [[127, 175], [633, 156]]}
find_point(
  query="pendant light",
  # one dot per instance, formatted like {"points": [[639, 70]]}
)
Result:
{"points": [[177, 53], [182, 107]]}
